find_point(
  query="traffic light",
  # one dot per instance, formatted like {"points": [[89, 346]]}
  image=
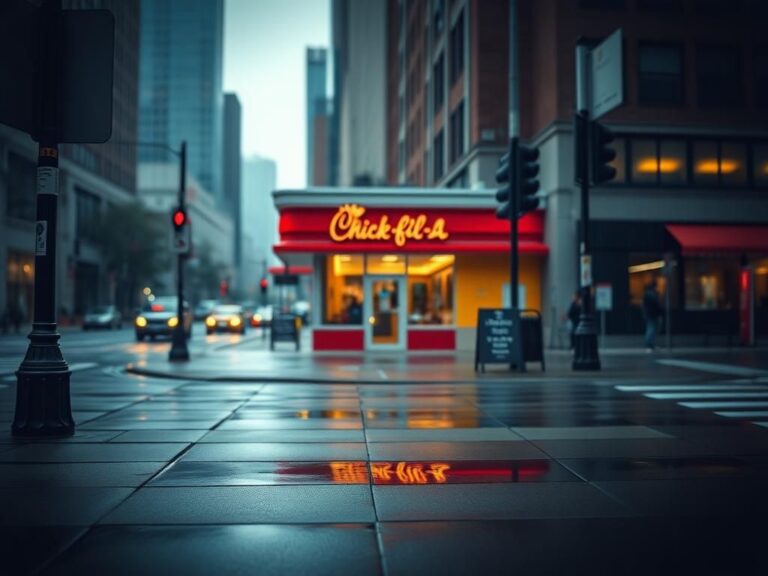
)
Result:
{"points": [[179, 218], [264, 284], [504, 195], [181, 231], [602, 153], [527, 184]]}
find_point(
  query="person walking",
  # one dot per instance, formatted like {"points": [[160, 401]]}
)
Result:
{"points": [[651, 314], [574, 312]]}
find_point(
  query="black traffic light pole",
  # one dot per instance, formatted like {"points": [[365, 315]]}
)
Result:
{"points": [[179, 350], [585, 355], [514, 209], [42, 381]]}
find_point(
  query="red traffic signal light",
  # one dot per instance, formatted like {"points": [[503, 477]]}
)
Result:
{"points": [[263, 284], [179, 218]]}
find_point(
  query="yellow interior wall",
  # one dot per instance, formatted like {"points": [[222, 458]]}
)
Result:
{"points": [[481, 277]]}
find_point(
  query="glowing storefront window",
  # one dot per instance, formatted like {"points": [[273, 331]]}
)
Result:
{"points": [[344, 289], [430, 288]]}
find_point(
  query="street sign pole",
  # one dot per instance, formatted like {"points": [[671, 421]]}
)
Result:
{"points": [[586, 355], [179, 350], [42, 381]]}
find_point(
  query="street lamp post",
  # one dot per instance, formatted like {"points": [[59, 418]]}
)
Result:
{"points": [[43, 405]]}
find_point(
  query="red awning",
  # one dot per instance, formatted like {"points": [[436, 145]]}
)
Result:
{"points": [[696, 239], [292, 270]]}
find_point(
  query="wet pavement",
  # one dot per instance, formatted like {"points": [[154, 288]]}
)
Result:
{"points": [[537, 475]]}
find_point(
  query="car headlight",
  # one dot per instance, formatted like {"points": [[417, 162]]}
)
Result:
{"points": [[257, 317], [235, 321], [210, 321], [141, 322], [173, 322]]}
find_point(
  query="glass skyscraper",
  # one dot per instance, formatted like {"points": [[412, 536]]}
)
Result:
{"points": [[180, 84], [316, 101]]}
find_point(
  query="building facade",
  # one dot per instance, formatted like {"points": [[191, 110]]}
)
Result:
{"points": [[233, 163], [360, 70], [316, 101], [691, 142], [259, 222], [180, 86]]}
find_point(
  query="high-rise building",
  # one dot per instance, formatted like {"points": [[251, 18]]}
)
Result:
{"points": [[259, 221], [232, 170], [360, 79], [317, 73], [180, 91]]}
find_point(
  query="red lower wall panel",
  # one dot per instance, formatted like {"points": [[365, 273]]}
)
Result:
{"points": [[431, 339], [337, 339]]}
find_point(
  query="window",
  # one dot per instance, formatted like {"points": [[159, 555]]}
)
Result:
{"points": [[660, 74], [645, 268], [705, 163], [676, 5], [88, 213], [620, 162], [343, 289], [711, 283], [438, 18], [603, 4], [733, 163], [21, 199], [438, 156], [760, 165], [385, 264], [457, 133], [718, 76], [430, 289], [438, 83], [760, 63], [457, 49], [645, 164], [672, 162]]}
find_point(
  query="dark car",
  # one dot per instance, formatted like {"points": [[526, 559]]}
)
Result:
{"points": [[226, 318], [203, 308], [160, 317], [103, 317]]}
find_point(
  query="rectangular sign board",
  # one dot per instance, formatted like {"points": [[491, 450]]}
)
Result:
{"points": [[498, 337], [284, 328], [603, 297], [606, 76]]}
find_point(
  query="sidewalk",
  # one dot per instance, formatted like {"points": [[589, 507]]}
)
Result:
{"points": [[249, 361]]}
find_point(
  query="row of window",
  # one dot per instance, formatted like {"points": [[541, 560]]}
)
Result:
{"points": [[713, 7], [671, 161], [719, 75]]}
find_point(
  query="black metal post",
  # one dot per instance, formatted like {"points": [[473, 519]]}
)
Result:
{"points": [[179, 350], [585, 337], [514, 255], [42, 380]]}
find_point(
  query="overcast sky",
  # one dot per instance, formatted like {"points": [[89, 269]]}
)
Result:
{"points": [[264, 63]]}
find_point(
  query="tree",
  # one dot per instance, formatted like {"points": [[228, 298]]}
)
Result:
{"points": [[134, 247]]}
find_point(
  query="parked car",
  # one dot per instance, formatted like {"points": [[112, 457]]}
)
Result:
{"points": [[103, 317], [262, 317], [203, 308], [226, 318], [160, 317]]}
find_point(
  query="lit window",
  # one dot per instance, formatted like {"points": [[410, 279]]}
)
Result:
{"points": [[619, 163], [385, 264], [760, 164], [644, 162], [672, 165], [344, 289], [711, 283], [430, 289], [733, 163], [705, 163]]}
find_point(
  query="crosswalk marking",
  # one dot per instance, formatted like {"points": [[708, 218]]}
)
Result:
{"points": [[745, 401], [713, 368]]}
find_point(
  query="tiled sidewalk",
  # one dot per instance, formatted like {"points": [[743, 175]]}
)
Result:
{"points": [[548, 477]]}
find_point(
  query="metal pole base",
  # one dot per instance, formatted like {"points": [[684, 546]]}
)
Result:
{"points": [[42, 390], [585, 356], [179, 351]]}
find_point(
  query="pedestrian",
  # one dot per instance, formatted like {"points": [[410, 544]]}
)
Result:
{"points": [[651, 314], [574, 313]]}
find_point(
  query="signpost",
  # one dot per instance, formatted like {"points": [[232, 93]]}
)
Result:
{"points": [[603, 304], [56, 73], [606, 76], [498, 339]]}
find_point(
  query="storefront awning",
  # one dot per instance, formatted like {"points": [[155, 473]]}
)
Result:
{"points": [[292, 270], [697, 239]]}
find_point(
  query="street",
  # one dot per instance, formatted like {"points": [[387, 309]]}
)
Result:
{"points": [[388, 464]]}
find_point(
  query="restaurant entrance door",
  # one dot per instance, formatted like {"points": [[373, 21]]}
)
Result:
{"points": [[384, 313]]}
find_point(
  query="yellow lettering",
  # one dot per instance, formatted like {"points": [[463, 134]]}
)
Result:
{"points": [[348, 224]]}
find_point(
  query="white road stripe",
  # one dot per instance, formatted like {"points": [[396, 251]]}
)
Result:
{"points": [[690, 387], [744, 414], [713, 368], [723, 405], [696, 395]]}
